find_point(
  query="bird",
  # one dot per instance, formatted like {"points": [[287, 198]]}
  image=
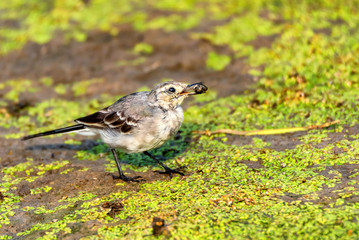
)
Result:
{"points": [[138, 122]]}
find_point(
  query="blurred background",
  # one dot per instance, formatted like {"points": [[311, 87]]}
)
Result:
{"points": [[129, 44], [119, 46]]}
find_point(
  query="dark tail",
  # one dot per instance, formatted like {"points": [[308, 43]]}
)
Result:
{"points": [[56, 131]]}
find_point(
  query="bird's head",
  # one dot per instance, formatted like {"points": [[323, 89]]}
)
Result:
{"points": [[169, 95]]}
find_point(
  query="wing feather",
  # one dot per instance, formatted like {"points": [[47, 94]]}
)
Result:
{"points": [[123, 116]]}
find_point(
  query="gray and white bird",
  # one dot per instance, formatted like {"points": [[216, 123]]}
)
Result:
{"points": [[137, 122]]}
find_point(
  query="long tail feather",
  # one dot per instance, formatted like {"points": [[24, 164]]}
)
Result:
{"points": [[56, 131]]}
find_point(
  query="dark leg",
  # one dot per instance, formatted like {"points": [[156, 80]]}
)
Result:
{"points": [[167, 170], [122, 176]]}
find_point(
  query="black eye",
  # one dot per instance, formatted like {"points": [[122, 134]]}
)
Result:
{"points": [[172, 90]]}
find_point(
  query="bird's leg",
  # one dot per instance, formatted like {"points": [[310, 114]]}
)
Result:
{"points": [[167, 170], [121, 175]]}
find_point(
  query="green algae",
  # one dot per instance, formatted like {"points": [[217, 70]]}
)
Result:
{"points": [[79, 88], [217, 62], [143, 48], [239, 31], [16, 87]]}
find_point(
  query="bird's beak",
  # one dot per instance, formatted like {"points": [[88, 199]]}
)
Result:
{"points": [[193, 89]]}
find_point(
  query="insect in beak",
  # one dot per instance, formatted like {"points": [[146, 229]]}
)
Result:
{"points": [[194, 89]]}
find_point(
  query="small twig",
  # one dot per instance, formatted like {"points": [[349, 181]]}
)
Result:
{"points": [[267, 131]]}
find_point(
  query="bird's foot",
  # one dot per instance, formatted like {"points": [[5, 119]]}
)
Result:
{"points": [[128, 179], [171, 171]]}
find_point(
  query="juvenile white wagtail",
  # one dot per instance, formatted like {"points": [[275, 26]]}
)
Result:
{"points": [[137, 122]]}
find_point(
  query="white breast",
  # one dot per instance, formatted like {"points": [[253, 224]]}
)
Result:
{"points": [[172, 121]]}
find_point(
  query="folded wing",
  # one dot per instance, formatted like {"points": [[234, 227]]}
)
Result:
{"points": [[123, 116]]}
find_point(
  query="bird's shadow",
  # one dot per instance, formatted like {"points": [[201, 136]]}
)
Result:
{"points": [[95, 149]]}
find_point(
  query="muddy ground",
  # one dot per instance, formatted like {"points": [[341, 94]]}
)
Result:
{"points": [[176, 55]]}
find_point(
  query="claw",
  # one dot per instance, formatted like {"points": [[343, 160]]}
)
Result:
{"points": [[128, 179], [171, 171]]}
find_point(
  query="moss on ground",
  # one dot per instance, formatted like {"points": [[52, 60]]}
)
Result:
{"points": [[307, 76]]}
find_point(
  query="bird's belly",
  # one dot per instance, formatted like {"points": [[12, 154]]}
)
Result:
{"points": [[149, 136], [141, 141], [136, 143]]}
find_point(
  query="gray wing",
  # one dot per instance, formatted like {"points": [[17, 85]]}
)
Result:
{"points": [[123, 116]]}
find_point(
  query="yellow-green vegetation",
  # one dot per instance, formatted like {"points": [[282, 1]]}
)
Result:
{"points": [[309, 75], [144, 48], [79, 88], [16, 87], [241, 30], [217, 61]]}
